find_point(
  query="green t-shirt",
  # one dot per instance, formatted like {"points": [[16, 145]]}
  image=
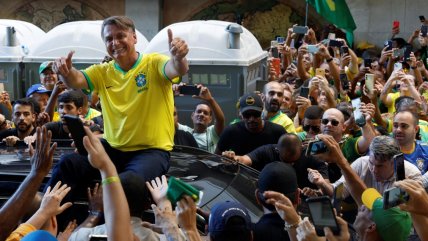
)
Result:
{"points": [[350, 149]]}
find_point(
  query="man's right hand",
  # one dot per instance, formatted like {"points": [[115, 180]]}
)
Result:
{"points": [[63, 65], [41, 161]]}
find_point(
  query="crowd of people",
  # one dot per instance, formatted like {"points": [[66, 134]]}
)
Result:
{"points": [[330, 123]]}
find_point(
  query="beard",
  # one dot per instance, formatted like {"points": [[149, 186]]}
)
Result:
{"points": [[273, 106], [23, 127]]}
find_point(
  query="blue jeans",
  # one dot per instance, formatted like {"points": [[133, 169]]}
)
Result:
{"points": [[76, 171]]}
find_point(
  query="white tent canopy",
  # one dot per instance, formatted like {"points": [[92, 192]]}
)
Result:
{"points": [[25, 34], [84, 37], [208, 43]]}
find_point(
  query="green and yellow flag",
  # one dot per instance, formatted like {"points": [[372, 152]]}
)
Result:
{"points": [[337, 13]]}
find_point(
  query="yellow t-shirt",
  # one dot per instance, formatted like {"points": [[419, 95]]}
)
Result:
{"points": [[394, 96], [20, 232], [92, 113], [285, 121], [138, 105]]}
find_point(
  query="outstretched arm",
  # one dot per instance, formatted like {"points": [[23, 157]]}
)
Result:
{"points": [[177, 65]]}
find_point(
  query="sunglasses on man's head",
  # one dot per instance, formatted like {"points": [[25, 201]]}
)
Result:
{"points": [[249, 114], [333, 122], [314, 128]]}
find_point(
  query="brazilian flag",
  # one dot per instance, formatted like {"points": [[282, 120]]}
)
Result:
{"points": [[337, 13]]}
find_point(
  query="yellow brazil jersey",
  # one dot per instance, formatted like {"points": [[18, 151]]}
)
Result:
{"points": [[137, 105], [283, 120], [394, 96]]}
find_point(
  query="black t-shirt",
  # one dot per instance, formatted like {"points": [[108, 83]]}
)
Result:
{"points": [[238, 139], [12, 132], [57, 130], [184, 138], [266, 154], [270, 227]]}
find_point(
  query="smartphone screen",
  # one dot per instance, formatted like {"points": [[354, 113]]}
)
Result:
{"points": [[358, 115], [388, 44], [344, 81], [370, 82], [399, 167], [275, 52], [407, 50], [334, 43], [189, 90], [393, 197], [322, 214], [75, 126], [368, 63], [424, 30], [99, 237], [344, 50], [316, 147], [300, 29], [312, 49], [304, 92]]}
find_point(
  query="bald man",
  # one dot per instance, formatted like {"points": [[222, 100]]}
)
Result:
{"points": [[332, 123], [273, 98]]}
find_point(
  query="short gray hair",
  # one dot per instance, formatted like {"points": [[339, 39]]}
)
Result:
{"points": [[384, 148]]}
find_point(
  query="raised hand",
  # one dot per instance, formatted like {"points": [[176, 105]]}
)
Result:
{"points": [[97, 156], [41, 160], [418, 201], [51, 202], [158, 188], [177, 47], [63, 65], [95, 198]]}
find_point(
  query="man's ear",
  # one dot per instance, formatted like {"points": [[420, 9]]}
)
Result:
{"points": [[79, 111], [256, 193]]}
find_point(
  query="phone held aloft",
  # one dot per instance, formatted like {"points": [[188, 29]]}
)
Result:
{"points": [[393, 197], [300, 29], [75, 127], [316, 147], [189, 90], [399, 170], [322, 215], [358, 115]]}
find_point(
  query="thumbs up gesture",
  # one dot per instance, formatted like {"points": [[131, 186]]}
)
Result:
{"points": [[177, 47]]}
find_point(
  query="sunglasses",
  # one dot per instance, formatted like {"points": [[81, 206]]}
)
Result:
{"points": [[314, 128], [249, 114], [333, 122]]}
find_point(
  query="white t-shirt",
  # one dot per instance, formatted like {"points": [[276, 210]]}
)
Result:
{"points": [[207, 140]]}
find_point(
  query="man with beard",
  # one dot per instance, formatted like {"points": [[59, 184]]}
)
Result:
{"points": [[23, 117], [252, 131], [273, 98]]}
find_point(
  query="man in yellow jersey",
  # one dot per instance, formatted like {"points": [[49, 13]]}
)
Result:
{"points": [[137, 104]]}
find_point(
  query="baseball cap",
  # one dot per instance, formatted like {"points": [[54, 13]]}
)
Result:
{"points": [[222, 212], [37, 88], [45, 65], [251, 101], [392, 224], [39, 235], [280, 177]]}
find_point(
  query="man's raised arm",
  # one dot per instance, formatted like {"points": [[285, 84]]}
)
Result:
{"points": [[73, 78]]}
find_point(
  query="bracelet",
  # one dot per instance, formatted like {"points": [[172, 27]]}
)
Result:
{"points": [[292, 226], [109, 180], [329, 60]]}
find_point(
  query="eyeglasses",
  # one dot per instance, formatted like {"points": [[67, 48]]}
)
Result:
{"points": [[314, 128], [333, 122], [249, 114]]}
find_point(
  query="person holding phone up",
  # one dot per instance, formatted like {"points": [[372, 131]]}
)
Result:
{"points": [[137, 99]]}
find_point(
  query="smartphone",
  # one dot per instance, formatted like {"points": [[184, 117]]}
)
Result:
{"points": [[393, 197], [398, 66], [400, 174], [275, 52], [389, 44], [319, 71], [280, 40], [407, 51], [322, 215], [344, 50], [300, 29], [360, 119], [98, 237], [398, 53], [424, 30], [276, 63], [396, 24], [368, 63], [304, 92], [312, 49], [75, 126], [344, 81], [316, 147], [338, 197], [331, 36], [189, 90], [422, 18], [370, 82], [334, 43]]}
